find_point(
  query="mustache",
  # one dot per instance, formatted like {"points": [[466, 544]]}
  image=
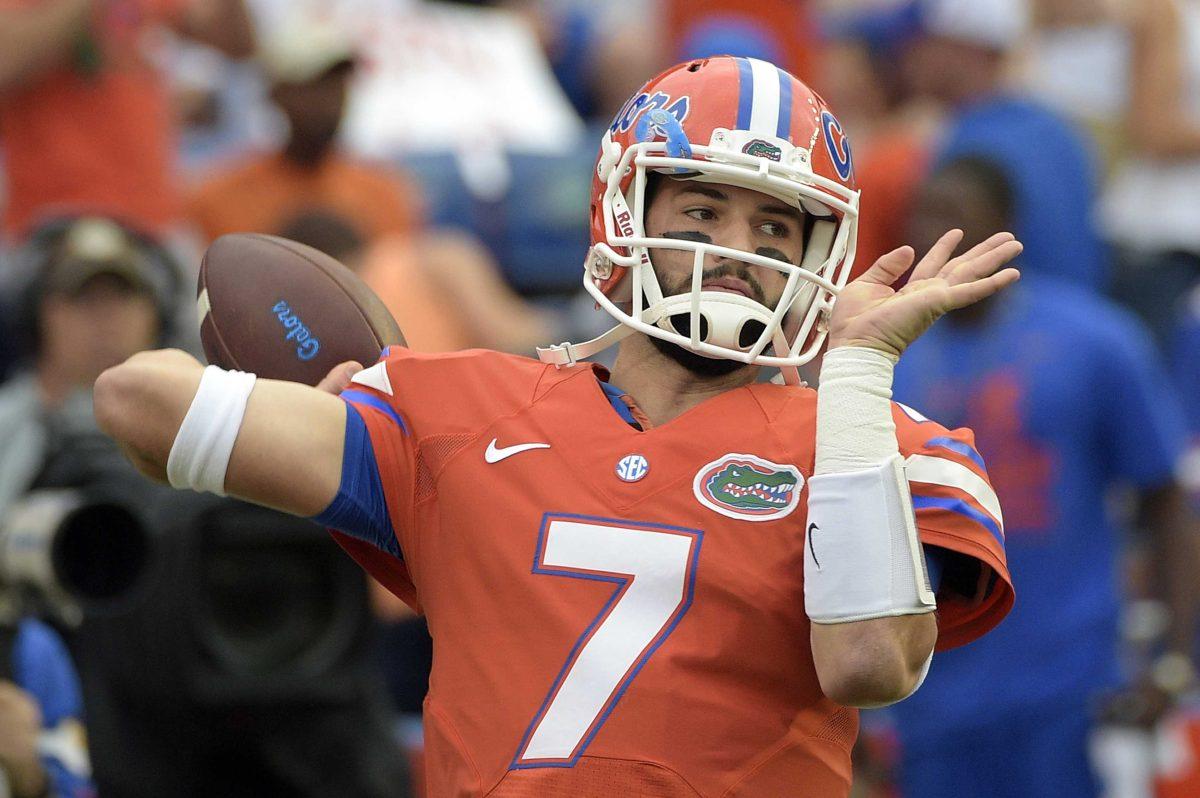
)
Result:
{"points": [[727, 269]]}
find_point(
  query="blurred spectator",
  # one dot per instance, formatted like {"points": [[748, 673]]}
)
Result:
{"points": [[1183, 349], [893, 129], [443, 77], [1152, 206], [960, 60], [779, 31], [443, 287], [1075, 60], [96, 298], [84, 118], [310, 67], [1068, 403], [600, 53], [42, 743]]}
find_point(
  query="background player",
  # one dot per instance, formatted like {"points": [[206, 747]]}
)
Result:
{"points": [[673, 656], [1063, 437]]}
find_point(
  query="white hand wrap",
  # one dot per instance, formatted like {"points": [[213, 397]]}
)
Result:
{"points": [[200, 455], [862, 556]]}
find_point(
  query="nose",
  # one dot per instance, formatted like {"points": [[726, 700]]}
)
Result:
{"points": [[737, 234]]}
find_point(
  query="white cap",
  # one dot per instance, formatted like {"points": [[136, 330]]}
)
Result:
{"points": [[996, 24], [303, 49]]}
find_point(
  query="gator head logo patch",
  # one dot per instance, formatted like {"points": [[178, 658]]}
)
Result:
{"points": [[748, 487], [763, 149]]}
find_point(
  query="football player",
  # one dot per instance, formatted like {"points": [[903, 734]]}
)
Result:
{"points": [[670, 579]]}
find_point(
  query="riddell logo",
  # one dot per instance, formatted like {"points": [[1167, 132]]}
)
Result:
{"points": [[624, 222]]}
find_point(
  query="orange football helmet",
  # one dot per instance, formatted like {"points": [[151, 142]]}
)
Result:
{"points": [[741, 122]]}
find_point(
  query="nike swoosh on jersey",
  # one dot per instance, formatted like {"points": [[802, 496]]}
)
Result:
{"points": [[495, 454]]}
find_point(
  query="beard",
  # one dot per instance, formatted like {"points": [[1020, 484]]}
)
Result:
{"points": [[694, 362]]}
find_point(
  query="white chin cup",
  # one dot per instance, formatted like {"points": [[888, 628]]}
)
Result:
{"points": [[725, 315]]}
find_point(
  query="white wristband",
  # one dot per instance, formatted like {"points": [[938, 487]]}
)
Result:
{"points": [[200, 455]]}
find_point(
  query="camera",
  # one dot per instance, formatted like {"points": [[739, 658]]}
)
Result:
{"points": [[72, 550]]}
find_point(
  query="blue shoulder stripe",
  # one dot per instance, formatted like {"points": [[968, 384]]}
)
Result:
{"points": [[962, 508], [374, 401], [958, 447], [360, 507]]}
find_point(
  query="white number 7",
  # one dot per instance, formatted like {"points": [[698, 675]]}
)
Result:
{"points": [[654, 568]]}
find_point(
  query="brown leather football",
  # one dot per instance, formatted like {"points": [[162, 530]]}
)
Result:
{"points": [[286, 311]]}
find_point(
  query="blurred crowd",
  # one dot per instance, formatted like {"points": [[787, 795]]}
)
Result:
{"points": [[443, 151]]}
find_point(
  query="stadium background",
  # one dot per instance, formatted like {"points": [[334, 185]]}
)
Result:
{"points": [[444, 151]]}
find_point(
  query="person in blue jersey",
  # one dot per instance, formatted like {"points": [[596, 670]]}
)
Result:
{"points": [[959, 60], [42, 744], [1184, 357], [1068, 401]]}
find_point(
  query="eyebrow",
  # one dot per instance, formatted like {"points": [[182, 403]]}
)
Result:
{"points": [[768, 207]]}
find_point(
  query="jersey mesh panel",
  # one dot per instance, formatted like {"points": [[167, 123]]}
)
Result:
{"points": [[432, 454], [841, 727]]}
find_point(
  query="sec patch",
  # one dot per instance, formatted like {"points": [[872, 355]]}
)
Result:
{"points": [[748, 487]]}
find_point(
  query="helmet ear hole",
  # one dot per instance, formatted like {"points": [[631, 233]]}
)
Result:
{"points": [[682, 322], [751, 331]]}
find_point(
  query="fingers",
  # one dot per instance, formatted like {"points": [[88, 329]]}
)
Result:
{"points": [[969, 293], [979, 250], [931, 265], [339, 377], [970, 270], [888, 268]]}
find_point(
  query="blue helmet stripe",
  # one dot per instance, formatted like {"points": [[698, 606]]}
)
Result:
{"points": [[784, 126], [745, 93]]}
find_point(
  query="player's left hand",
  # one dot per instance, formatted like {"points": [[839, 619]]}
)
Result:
{"points": [[870, 313]]}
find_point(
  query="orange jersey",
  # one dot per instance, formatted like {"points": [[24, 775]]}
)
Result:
{"points": [[621, 612]]}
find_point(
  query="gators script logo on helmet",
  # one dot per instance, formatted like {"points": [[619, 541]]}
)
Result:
{"points": [[741, 122]]}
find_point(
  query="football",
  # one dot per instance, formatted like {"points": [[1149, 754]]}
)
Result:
{"points": [[286, 311]]}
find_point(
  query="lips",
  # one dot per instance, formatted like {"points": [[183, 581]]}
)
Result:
{"points": [[730, 285]]}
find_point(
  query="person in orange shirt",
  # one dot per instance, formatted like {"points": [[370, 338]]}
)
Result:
{"points": [[310, 68], [85, 122], [671, 579]]}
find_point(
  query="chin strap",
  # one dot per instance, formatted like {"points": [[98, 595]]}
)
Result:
{"points": [[568, 354]]}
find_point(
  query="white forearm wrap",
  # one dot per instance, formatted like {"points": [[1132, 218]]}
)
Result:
{"points": [[855, 429], [862, 557], [200, 455]]}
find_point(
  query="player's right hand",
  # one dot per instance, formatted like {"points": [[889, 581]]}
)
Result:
{"points": [[339, 377]]}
